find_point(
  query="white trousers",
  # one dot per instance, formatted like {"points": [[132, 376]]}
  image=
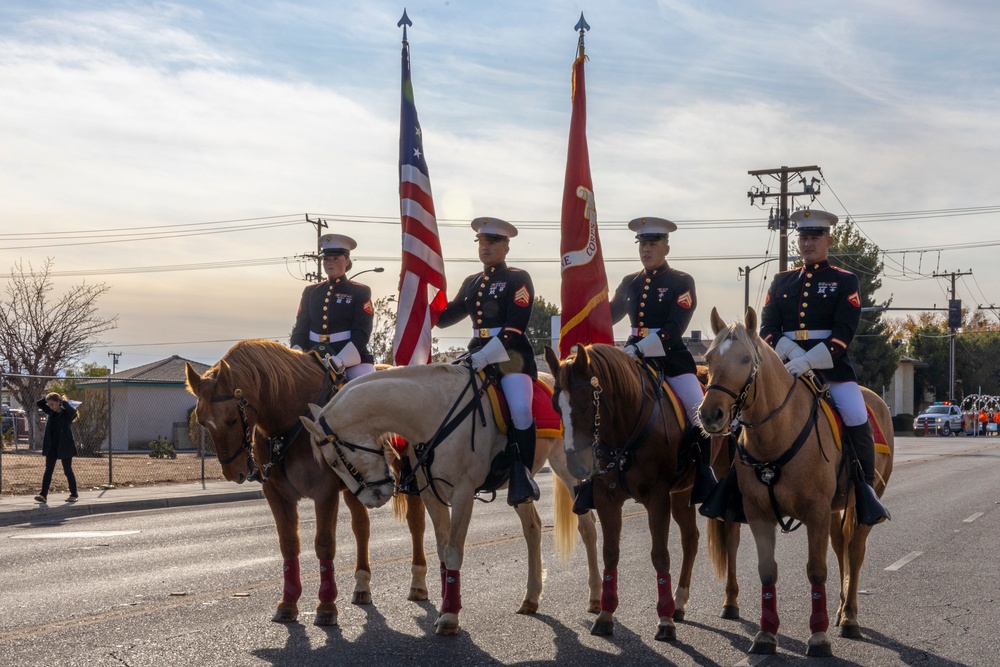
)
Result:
{"points": [[518, 389], [849, 401], [359, 370], [689, 391]]}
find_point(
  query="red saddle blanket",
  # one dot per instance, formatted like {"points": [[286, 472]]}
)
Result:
{"points": [[881, 445], [547, 422]]}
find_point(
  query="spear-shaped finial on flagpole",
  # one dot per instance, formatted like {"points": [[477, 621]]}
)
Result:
{"points": [[405, 21], [583, 27]]}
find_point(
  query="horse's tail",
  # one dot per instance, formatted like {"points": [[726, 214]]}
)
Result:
{"points": [[400, 501], [565, 521], [718, 549]]}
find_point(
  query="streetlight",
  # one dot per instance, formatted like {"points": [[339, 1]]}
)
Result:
{"points": [[377, 269], [745, 272]]}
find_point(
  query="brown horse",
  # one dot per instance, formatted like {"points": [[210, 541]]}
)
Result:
{"points": [[614, 413], [789, 466], [252, 397]]}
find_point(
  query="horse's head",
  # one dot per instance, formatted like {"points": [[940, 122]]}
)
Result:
{"points": [[363, 469], [734, 359], [221, 409]]}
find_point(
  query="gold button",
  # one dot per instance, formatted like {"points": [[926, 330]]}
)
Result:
{"points": [[485, 279], [802, 314], [805, 294], [784, 296], [648, 280], [808, 284], [477, 303], [479, 312], [642, 305], [326, 308], [802, 326], [805, 305], [325, 317], [641, 314], [809, 275], [480, 294]]}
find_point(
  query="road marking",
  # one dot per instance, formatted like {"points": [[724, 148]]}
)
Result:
{"points": [[71, 535], [972, 518], [904, 560]]}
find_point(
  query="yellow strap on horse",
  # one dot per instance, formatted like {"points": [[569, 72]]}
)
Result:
{"points": [[810, 380], [672, 395]]}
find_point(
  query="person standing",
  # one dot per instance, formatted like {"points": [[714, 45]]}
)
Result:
{"points": [[58, 444], [499, 300], [810, 317], [335, 317]]}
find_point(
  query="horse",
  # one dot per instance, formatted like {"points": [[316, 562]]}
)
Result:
{"points": [[250, 402], [442, 410], [789, 466], [617, 416]]}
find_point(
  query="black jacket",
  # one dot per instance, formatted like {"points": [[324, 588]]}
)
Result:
{"points": [[335, 307], [57, 429]]}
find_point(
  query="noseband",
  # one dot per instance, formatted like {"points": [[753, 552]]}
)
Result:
{"points": [[340, 445]]}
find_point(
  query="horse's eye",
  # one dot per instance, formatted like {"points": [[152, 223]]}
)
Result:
{"points": [[231, 422], [746, 359]]}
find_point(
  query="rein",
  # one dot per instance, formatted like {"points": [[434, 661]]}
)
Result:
{"points": [[340, 445]]}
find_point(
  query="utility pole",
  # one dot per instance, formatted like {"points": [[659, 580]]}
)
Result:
{"points": [[954, 322], [782, 175], [114, 360], [320, 226]]}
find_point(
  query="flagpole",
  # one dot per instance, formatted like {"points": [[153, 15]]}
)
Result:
{"points": [[581, 25], [404, 21]]}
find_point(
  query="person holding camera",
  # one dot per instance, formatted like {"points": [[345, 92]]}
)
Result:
{"points": [[59, 444]]}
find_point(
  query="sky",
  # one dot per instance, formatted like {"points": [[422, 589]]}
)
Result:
{"points": [[173, 150]]}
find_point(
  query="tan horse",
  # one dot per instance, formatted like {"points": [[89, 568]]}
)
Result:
{"points": [[257, 392], [787, 467], [418, 402], [629, 435]]}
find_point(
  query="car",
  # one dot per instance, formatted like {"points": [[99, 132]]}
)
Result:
{"points": [[942, 418], [13, 420]]}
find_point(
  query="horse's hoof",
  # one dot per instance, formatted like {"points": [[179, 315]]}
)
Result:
{"points": [[850, 631], [679, 615], [325, 618], [417, 594], [447, 625], [528, 607], [594, 607], [819, 646], [363, 597], [730, 613], [764, 644], [603, 628], [666, 632], [286, 613]]}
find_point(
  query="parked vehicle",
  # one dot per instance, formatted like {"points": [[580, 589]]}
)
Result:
{"points": [[942, 418], [14, 421]]}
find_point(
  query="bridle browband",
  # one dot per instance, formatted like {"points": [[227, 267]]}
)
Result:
{"points": [[241, 406]]}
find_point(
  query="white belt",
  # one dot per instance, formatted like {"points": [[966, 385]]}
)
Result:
{"points": [[642, 332], [486, 332], [329, 338], [808, 334]]}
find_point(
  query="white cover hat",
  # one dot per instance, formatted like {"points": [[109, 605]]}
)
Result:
{"points": [[812, 221], [652, 227], [333, 244], [494, 227]]}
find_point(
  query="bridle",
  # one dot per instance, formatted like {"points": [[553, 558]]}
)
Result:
{"points": [[246, 445], [740, 399], [339, 445]]}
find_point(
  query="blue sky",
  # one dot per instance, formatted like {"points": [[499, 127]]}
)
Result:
{"points": [[126, 126]]}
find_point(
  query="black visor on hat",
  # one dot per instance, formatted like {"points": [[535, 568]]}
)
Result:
{"points": [[336, 252], [640, 238], [491, 237], [812, 231]]}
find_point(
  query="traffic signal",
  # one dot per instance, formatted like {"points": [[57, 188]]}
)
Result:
{"points": [[954, 313]]}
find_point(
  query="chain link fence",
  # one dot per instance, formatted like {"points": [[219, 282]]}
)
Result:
{"points": [[129, 432]]}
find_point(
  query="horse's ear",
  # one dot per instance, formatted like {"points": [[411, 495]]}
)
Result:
{"points": [[582, 360], [553, 360], [224, 376], [750, 322], [193, 379], [315, 410], [312, 427], [718, 324]]}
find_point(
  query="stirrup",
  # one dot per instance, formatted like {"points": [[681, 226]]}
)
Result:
{"points": [[522, 487], [867, 506], [704, 484], [583, 500]]}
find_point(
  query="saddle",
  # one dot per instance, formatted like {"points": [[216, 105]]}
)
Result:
{"points": [[837, 422], [547, 422]]}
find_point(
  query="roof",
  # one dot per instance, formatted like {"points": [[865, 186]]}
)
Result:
{"points": [[165, 370]]}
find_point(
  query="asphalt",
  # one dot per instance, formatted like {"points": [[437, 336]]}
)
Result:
{"points": [[16, 510]]}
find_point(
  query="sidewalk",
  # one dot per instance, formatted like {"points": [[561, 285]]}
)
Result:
{"points": [[23, 509]]}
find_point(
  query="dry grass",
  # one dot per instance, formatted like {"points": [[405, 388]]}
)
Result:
{"points": [[22, 473]]}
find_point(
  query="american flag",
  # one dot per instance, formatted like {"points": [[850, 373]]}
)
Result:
{"points": [[422, 286]]}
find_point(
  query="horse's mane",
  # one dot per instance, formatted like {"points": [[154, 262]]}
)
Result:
{"points": [[616, 369], [735, 332], [269, 369]]}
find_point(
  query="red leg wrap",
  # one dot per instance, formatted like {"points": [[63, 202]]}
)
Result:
{"points": [[293, 584], [452, 593], [664, 597], [769, 609], [819, 620], [609, 591], [327, 584], [444, 586]]}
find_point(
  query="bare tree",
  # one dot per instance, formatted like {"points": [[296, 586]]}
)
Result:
{"points": [[41, 335]]}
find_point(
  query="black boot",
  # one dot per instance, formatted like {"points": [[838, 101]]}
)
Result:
{"points": [[725, 503], [704, 477], [583, 500], [522, 487], [868, 507]]}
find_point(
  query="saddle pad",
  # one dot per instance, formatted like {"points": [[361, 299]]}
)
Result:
{"points": [[837, 425], [547, 422]]}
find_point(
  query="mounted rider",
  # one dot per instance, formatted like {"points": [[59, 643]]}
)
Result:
{"points": [[335, 317], [660, 302], [499, 301], [810, 317]]}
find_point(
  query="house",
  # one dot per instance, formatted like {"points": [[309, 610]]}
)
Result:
{"points": [[147, 402], [901, 393]]}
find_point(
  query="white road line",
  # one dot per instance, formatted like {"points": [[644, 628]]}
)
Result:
{"points": [[904, 560], [752, 661], [972, 518], [70, 535]]}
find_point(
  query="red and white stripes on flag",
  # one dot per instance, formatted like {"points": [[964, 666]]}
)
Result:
{"points": [[422, 285]]}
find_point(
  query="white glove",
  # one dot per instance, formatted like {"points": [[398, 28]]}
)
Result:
{"points": [[788, 349], [817, 358], [479, 360], [632, 351], [336, 363], [297, 347], [651, 346]]}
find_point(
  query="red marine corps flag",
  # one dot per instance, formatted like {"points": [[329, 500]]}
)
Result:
{"points": [[586, 313], [421, 279]]}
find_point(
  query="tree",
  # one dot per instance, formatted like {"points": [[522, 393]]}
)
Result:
{"points": [[383, 330], [41, 335], [540, 325], [977, 354]]}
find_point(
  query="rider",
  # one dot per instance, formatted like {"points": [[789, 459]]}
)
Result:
{"points": [[809, 318], [499, 301], [660, 302], [335, 317]]}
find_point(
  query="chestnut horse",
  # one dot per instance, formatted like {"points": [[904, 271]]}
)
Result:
{"points": [[443, 412], [789, 466], [252, 397], [618, 416]]}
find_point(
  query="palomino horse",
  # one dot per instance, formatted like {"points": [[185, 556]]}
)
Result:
{"points": [[616, 415], [789, 466], [443, 413], [250, 402]]}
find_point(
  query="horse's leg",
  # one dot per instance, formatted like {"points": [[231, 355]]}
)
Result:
{"points": [[658, 515], [587, 527], [684, 515], [837, 543], [454, 554], [416, 521], [531, 526], [326, 504], [441, 521], [731, 609], [286, 520], [609, 511], [857, 542], [362, 526], [818, 529], [764, 533]]}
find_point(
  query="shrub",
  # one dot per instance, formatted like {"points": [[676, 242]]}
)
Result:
{"points": [[902, 423], [161, 449]]}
